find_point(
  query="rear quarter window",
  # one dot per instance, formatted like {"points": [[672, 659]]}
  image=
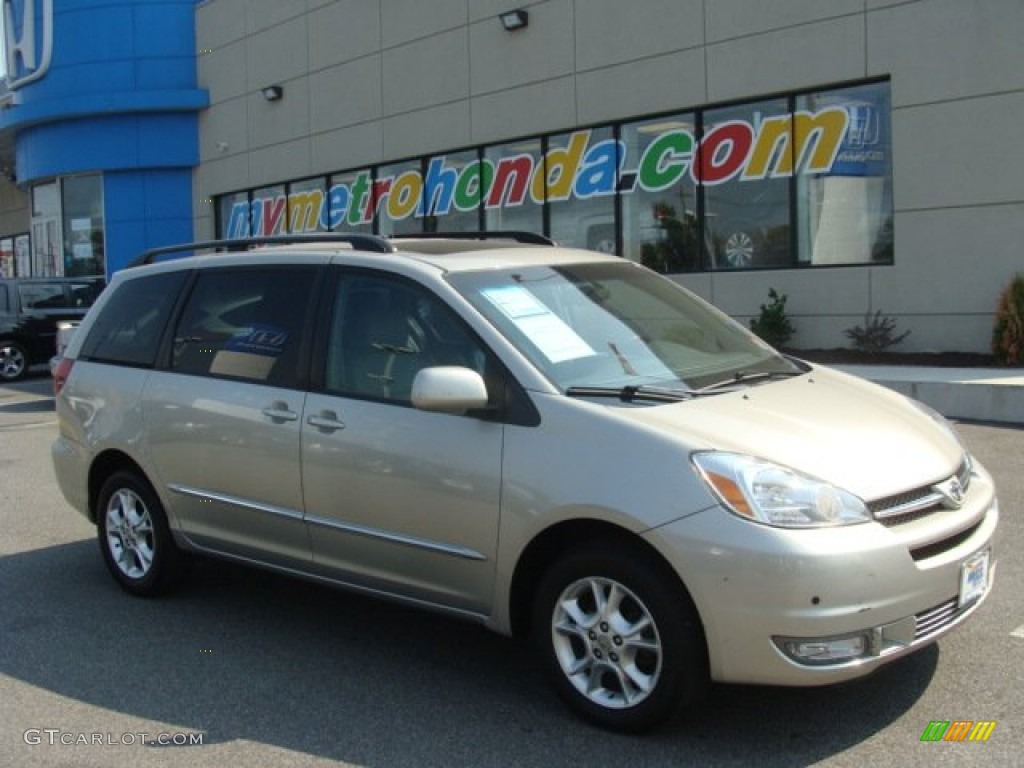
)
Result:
{"points": [[128, 329]]}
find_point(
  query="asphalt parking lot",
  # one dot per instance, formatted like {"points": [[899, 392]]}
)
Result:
{"points": [[267, 671]]}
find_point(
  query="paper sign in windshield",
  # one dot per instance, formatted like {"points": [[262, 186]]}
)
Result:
{"points": [[556, 340]]}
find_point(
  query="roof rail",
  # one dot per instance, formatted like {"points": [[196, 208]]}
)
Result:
{"points": [[519, 236], [362, 242]]}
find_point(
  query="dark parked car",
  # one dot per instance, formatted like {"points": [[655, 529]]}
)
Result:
{"points": [[30, 309]]}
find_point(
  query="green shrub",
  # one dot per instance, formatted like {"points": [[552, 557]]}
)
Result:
{"points": [[1008, 334], [773, 325], [876, 335]]}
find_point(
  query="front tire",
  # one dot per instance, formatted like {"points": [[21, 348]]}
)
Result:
{"points": [[13, 361], [620, 639], [135, 538]]}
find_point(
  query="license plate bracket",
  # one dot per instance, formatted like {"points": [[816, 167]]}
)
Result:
{"points": [[974, 576]]}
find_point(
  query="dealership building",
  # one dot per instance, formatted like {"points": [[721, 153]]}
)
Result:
{"points": [[855, 155]]}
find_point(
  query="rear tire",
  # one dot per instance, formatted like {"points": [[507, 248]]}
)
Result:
{"points": [[135, 538], [620, 638]]}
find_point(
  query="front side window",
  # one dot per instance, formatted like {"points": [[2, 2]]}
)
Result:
{"points": [[83, 293], [245, 324], [384, 331], [615, 325]]}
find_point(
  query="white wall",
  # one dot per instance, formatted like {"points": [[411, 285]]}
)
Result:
{"points": [[368, 82]]}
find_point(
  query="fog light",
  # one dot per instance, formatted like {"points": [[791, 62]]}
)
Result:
{"points": [[824, 650]]}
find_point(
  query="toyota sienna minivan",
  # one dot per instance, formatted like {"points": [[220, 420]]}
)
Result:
{"points": [[558, 444]]}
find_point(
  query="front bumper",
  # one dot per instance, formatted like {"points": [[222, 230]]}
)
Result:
{"points": [[765, 593]]}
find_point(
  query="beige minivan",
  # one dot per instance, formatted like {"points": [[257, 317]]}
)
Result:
{"points": [[555, 443]]}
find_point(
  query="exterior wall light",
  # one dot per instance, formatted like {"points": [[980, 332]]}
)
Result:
{"points": [[512, 20], [273, 92]]}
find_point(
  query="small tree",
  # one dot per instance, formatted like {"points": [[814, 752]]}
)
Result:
{"points": [[1008, 334], [773, 325]]}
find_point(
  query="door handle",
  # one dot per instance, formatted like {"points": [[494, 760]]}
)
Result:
{"points": [[327, 421], [279, 412]]}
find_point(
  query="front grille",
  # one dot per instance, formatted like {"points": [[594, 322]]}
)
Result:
{"points": [[938, 547], [905, 507], [935, 619]]}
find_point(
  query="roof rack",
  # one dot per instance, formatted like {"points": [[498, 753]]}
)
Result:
{"points": [[519, 236], [372, 243]]}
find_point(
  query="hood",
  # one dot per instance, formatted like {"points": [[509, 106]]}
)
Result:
{"points": [[859, 436]]}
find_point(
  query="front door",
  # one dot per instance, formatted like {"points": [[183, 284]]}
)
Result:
{"points": [[398, 499]]}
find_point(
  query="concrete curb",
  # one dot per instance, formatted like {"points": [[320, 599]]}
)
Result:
{"points": [[979, 394]]}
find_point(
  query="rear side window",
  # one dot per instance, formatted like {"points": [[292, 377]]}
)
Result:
{"points": [[43, 296], [245, 323], [129, 327]]}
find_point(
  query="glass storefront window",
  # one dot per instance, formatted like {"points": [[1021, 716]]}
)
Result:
{"points": [[307, 206], [83, 225], [580, 170], [452, 192], [7, 257], [348, 199], [46, 248], [661, 225], [793, 181], [233, 211], [269, 211], [844, 216], [397, 192], [746, 187], [514, 199], [22, 255]]}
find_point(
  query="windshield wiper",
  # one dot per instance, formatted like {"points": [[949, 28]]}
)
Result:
{"points": [[633, 393], [746, 377]]}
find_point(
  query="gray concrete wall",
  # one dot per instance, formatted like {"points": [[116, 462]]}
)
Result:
{"points": [[368, 82]]}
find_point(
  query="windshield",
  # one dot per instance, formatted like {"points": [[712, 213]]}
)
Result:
{"points": [[614, 325]]}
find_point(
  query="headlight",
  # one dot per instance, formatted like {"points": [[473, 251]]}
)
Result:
{"points": [[768, 493]]}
